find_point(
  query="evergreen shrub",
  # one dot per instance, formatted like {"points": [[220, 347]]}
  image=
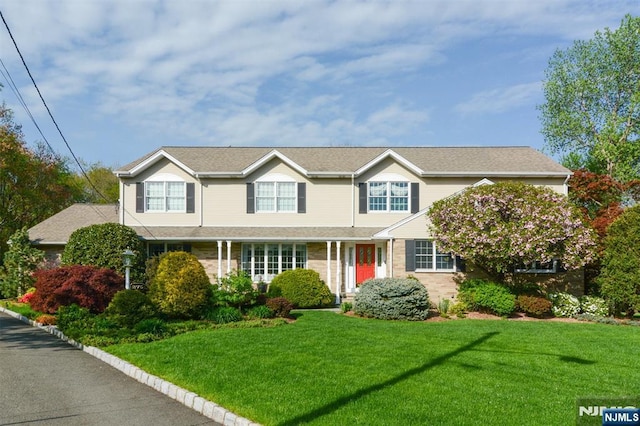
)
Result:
{"points": [[392, 298], [302, 287], [495, 298], [129, 307], [181, 287]]}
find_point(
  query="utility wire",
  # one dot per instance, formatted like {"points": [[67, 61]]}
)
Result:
{"points": [[73, 155]]}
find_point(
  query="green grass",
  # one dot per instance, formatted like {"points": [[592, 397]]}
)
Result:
{"points": [[23, 309], [331, 369]]}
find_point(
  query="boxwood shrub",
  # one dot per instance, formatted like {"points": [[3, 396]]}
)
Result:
{"points": [[302, 287], [485, 295], [392, 298], [129, 307]]}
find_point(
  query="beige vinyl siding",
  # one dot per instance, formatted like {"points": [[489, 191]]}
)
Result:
{"points": [[128, 200]]}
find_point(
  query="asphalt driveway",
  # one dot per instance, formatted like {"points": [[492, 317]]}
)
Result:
{"points": [[45, 381]]}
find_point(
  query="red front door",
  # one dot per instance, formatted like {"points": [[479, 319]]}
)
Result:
{"points": [[365, 262]]}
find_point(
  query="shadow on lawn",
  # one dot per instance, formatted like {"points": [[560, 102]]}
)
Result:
{"points": [[340, 402]]}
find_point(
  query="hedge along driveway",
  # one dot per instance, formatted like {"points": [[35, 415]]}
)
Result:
{"points": [[332, 369]]}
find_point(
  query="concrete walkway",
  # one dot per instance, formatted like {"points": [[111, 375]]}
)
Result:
{"points": [[46, 381]]}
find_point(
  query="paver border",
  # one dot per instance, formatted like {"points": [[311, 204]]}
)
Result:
{"points": [[185, 397]]}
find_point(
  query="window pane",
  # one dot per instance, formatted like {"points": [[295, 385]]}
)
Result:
{"points": [[175, 189], [265, 204], [377, 189], [265, 189], [258, 256], [399, 199], [424, 254], [399, 204], [286, 204], [155, 189], [246, 258], [155, 204], [399, 189], [272, 259], [286, 189], [301, 256], [444, 260], [175, 204], [287, 257]]}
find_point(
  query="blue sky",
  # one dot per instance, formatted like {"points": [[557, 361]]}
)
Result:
{"points": [[124, 77]]}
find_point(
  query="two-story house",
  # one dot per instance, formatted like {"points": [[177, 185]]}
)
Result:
{"points": [[350, 213]]}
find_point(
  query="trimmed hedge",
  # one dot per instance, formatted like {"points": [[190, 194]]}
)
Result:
{"points": [[129, 307], [392, 299], [302, 287]]}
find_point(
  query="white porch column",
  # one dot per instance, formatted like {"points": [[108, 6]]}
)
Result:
{"points": [[228, 256], [329, 264], [219, 258], [390, 257], [338, 272]]}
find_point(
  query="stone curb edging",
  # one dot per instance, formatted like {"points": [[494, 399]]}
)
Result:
{"points": [[189, 399]]}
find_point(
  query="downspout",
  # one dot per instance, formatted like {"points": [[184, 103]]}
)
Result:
{"points": [[201, 203], [121, 207], [390, 263], [566, 184], [353, 200]]}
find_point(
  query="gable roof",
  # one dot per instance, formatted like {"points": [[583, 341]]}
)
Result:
{"points": [[346, 161], [57, 229]]}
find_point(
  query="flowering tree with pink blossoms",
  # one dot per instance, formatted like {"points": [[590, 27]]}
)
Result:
{"points": [[497, 227]]}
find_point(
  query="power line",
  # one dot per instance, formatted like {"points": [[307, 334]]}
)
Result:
{"points": [[73, 155]]}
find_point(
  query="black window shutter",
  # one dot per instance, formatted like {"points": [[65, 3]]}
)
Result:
{"points": [[461, 265], [139, 197], [362, 197], [302, 197], [186, 247], [415, 197], [191, 199], [251, 205], [410, 255]]}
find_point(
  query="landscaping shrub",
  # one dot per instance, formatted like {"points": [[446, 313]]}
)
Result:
{"points": [[302, 287], [443, 307], [392, 298], [260, 312], [77, 322], [593, 305], [180, 288], [534, 305], [19, 261], [223, 315], [87, 286], [236, 289], [280, 306], [346, 307], [129, 307], [46, 319], [102, 245], [466, 292], [564, 304], [495, 298], [154, 326], [619, 278]]}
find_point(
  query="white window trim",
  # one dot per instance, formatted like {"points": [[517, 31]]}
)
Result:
{"points": [[266, 277], [276, 179], [434, 254], [165, 197], [388, 196]]}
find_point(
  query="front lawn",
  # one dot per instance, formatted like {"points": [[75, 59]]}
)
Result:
{"points": [[332, 369]]}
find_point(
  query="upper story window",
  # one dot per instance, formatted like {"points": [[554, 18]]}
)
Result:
{"points": [[165, 192], [276, 193], [165, 196], [388, 196], [276, 196]]}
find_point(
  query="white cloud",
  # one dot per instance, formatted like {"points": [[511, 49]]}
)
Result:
{"points": [[500, 100]]}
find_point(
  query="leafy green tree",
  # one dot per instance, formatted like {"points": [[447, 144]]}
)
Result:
{"points": [[592, 109], [102, 246], [620, 274], [497, 227], [99, 186], [34, 183], [20, 262]]}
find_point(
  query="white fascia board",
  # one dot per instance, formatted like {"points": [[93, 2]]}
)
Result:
{"points": [[152, 160], [273, 154], [496, 174], [386, 233], [397, 157]]}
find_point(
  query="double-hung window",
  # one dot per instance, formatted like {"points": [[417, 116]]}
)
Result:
{"points": [[276, 196], [388, 196], [165, 196], [429, 258]]}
